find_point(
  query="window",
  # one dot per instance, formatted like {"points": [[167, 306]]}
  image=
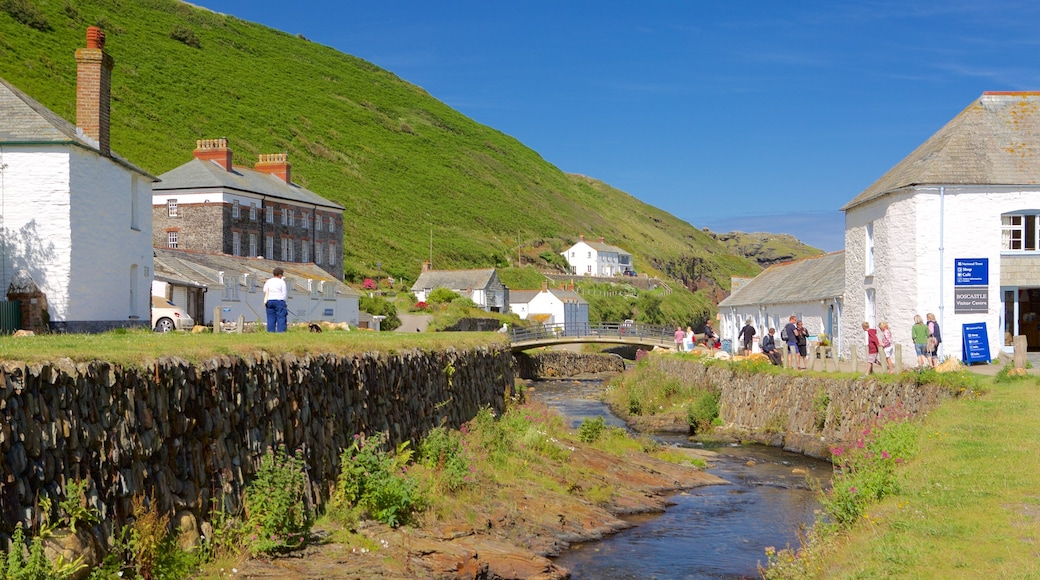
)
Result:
{"points": [[236, 212], [305, 252], [230, 282], [171, 239], [332, 225], [270, 214], [305, 220], [869, 251], [870, 308], [269, 249], [252, 211], [315, 289], [589, 255], [319, 249], [250, 283], [252, 245], [236, 244], [171, 208], [332, 254], [285, 249], [1018, 232], [317, 222], [589, 268], [292, 217], [285, 216], [292, 250]]}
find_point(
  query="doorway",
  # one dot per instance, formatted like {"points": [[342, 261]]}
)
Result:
{"points": [[1022, 316]]}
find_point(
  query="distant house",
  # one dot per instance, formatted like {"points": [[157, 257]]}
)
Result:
{"points": [[812, 289], [551, 306], [75, 216], [210, 205], [954, 229], [481, 286], [597, 259], [200, 283]]}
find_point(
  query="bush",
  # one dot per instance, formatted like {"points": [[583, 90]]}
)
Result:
{"points": [[442, 296], [443, 451], [591, 429], [375, 481], [27, 13], [186, 36], [277, 516], [701, 414], [379, 306]]}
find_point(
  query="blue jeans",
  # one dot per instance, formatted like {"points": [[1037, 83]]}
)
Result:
{"points": [[276, 314]]}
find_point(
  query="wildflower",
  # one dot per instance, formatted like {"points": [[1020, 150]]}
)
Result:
{"points": [[837, 451], [852, 489], [885, 455]]}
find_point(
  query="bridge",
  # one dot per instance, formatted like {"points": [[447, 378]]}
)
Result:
{"points": [[635, 333]]}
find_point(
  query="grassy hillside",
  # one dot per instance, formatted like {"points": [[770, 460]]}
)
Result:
{"points": [[402, 163]]}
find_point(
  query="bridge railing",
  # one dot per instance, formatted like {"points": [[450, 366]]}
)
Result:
{"points": [[632, 330]]}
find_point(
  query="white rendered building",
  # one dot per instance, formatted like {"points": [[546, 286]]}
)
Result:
{"points": [[597, 259]]}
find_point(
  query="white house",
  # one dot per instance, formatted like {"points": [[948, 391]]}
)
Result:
{"points": [[76, 217], [597, 259], [954, 229], [481, 286], [811, 289], [551, 306], [201, 283]]}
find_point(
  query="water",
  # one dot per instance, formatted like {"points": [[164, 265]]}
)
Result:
{"points": [[718, 531]]}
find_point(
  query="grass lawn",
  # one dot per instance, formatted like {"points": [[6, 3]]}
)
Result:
{"points": [[140, 346], [969, 504]]}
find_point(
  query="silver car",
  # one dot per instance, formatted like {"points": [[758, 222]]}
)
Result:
{"points": [[167, 316]]}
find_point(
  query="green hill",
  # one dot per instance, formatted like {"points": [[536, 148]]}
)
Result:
{"points": [[404, 165]]}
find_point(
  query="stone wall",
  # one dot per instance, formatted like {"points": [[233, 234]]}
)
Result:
{"points": [[559, 363], [780, 409], [189, 433]]}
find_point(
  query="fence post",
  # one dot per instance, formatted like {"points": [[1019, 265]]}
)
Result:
{"points": [[216, 319]]}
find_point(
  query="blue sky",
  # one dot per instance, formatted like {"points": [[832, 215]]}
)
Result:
{"points": [[757, 116]]}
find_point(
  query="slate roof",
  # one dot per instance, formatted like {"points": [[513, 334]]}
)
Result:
{"points": [[454, 279], [604, 247], [995, 141], [804, 280], [199, 269], [526, 296], [23, 120], [198, 174]]}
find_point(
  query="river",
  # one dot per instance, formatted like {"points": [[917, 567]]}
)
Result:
{"points": [[718, 531]]}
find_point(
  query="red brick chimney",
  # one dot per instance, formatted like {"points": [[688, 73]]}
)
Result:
{"points": [[601, 239], [581, 237], [94, 89], [276, 164], [545, 285], [426, 266], [214, 150]]}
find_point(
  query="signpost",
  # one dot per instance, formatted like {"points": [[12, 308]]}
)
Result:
{"points": [[975, 343], [971, 286]]}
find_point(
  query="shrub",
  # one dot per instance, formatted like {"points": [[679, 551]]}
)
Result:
{"points": [[442, 296], [703, 411], [443, 450], [591, 429], [379, 306], [27, 13], [376, 481], [277, 516], [820, 403], [186, 36]]}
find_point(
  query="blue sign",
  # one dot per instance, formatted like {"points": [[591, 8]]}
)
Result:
{"points": [[328, 312], [975, 343], [971, 272]]}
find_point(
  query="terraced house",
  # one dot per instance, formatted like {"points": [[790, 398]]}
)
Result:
{"points": [[210, 205]]}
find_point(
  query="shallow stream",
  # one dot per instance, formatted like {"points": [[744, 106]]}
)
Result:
{"points": [[718, 531]]}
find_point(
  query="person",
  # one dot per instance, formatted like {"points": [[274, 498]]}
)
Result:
{"points": [[872, 347], [710, 338], [888, 345], [679, 337], [747, 334], [787, 335], [768, 346], [275, 293], [801, 336], [689, 339], [934, 340], [919, 332]]}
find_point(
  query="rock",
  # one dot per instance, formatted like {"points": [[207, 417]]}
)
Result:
{"points": [[23, 332], [70, 547], [187, 527]]}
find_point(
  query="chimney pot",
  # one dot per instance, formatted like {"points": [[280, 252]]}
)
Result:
{"points": [[214, 150], [601, 239], [94, 89], [95, 38], [276, 164]]}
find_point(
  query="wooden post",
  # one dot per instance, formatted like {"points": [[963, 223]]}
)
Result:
{"points": [[1020, 351], [855, 360], [899, 358], [216, 319], [241, 323]]}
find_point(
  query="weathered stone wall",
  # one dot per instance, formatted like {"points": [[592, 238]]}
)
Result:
{"points": [[188, 433], [780, 409], [559, 363]]}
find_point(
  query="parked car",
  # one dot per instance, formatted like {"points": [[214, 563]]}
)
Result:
{"points": [[167, 316]]}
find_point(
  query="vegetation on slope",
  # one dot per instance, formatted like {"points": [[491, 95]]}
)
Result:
{"points": [[411, 172]]}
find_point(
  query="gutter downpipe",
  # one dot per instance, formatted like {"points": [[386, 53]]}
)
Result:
{"points": [[942, 218]]}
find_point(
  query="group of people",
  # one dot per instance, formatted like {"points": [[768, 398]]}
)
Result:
{"points": [[927, 338], [686, 340], [795, 339]]}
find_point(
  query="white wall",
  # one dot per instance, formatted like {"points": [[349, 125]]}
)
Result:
{"points": [[302, 307], [812, 314]]}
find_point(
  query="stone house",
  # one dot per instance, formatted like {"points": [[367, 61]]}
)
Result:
{"points": [[597, 259], [954, 229], [481, 286], [551, 306], [210, 205], [812, 289], [76, 219], [235, 285]]}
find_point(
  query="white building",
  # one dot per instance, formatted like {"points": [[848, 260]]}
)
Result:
{"points": [[952, 229], [811, 289], [597, 259], [551, 306], [481, 286], [201, 283], [76, 217]]}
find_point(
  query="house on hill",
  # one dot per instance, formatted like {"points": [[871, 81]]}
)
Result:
{"points": [[481, 286], [76, 222], [201, 282], [812, 289], [597, 259], [209, 205], [954, 229], [551, 306]]}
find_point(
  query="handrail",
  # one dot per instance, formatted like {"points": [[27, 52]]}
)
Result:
{"points": [[576, 330]]}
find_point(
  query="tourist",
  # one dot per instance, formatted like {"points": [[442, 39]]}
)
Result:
{"points": [[801, 336], [275, 293], [791, 342], [768, 346], [689, 339], [872, 347], [887, 345], [747, 334], [680, 336], [919, 332], [934, 340], [710, 338]]}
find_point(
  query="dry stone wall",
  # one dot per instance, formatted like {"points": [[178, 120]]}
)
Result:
{"points": [[559, 363], [188, 433], [783, 410]]}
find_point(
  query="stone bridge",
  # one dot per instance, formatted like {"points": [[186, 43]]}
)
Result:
{"points": [[649, 335]]}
